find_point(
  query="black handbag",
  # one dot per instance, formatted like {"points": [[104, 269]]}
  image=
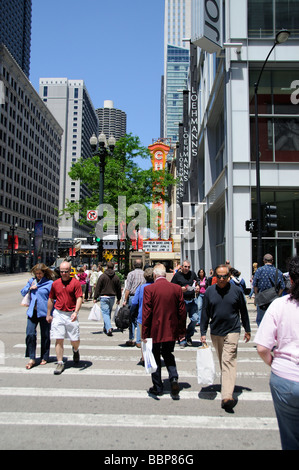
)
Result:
{"points": [[267, 296]]}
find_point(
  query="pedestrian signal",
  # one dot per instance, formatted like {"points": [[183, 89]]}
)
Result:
{"points": [[251, 225]]}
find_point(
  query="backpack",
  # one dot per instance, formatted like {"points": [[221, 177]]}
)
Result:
{"points": [[123, 318]]}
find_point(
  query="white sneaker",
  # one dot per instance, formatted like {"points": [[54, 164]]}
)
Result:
{"points": [[59, 369]]}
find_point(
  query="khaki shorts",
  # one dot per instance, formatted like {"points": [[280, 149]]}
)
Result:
{"points": [[62, 326]]}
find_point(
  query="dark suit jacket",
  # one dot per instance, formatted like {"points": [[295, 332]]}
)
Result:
{"points": [[163, 312]]}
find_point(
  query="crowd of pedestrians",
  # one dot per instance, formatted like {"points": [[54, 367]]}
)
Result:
{"points": [[169, 312]]}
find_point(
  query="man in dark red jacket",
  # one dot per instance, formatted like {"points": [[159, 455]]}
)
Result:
{"points": [[163, 320]]}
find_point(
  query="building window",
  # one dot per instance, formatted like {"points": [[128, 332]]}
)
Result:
{"points": [[267, 17], [279, 242], [278, 116]]}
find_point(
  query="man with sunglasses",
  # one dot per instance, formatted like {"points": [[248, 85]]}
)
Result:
{"points": [[66, 294], [223, 305], [188, 281]]}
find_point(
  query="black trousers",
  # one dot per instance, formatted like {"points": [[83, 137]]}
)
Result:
{"points": [[165, 350]]}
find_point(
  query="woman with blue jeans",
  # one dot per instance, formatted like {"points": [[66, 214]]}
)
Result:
{"points": [[278, 345], [203, 284]]}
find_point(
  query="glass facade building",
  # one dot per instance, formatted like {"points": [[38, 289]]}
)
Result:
{"points": [[15, 30], [177, 80], [177, 27], [226, 181]]}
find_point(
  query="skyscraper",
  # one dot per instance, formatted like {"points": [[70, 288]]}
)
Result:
{"points": [[30, 144], [69, 102], [15, 30], [177, 26], [112, 121]]}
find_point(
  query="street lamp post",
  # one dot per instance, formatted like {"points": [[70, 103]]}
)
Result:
{"points": [[100, 148], [12, 229], [30, 233], [281, 37]]}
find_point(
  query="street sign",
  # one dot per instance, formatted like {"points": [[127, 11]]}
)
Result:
{"points": [[108, 256], [92, 216]]}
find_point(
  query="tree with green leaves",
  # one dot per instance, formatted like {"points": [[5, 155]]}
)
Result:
{"points": [[123, 177]]}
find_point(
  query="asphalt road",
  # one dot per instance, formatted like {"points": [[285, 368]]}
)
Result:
{"points": [[103, 404]]}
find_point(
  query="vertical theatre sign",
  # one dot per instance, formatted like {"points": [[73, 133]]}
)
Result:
{"points": [[159, 152], [193, 101], [182, 162], [207, 25]]}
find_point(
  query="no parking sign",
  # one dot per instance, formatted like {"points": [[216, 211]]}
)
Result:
{"points": [[92, 216]]}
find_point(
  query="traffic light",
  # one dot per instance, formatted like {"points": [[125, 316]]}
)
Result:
{"points": [[251, 225], [271, 217], [98, 239]]}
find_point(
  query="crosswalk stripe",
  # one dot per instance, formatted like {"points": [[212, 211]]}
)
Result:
{"points": [[123, 358], [132, 394], [128, 348], [86, 370], [137, 421]]}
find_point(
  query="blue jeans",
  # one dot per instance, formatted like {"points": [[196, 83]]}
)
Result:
{"points": [[106, 308], [199, 306], [192, 312], [260, 312], [31, 335], [133, 325], [285, 394]]}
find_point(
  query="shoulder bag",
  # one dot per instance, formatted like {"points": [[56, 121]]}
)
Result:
{"points": [[267, 296]]}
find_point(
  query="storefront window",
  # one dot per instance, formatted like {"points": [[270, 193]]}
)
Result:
{"points": [[287, 203], [278, 111], [279, 243]]}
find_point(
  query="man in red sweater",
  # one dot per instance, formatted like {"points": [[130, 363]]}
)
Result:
{"points": [[163, 320]]}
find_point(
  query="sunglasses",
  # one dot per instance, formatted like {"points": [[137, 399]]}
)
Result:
{"points": [[64, 272], [186, 267], [221, 276]]}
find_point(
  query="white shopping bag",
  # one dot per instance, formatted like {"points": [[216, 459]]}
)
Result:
{"points": [[205, 366], [116, 311], [95, 313], [149, 360], [26, 300]]}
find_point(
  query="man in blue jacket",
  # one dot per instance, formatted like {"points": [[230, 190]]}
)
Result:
{"points": [[265, 278]]}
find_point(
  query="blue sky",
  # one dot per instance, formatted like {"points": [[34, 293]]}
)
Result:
{"points": [[115, 46]]}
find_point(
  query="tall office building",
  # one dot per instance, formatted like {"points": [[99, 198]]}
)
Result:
{"points": [[227, 177], [15, 30], [177, 26], [70, 103], [112, 121], [30, 144]]}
